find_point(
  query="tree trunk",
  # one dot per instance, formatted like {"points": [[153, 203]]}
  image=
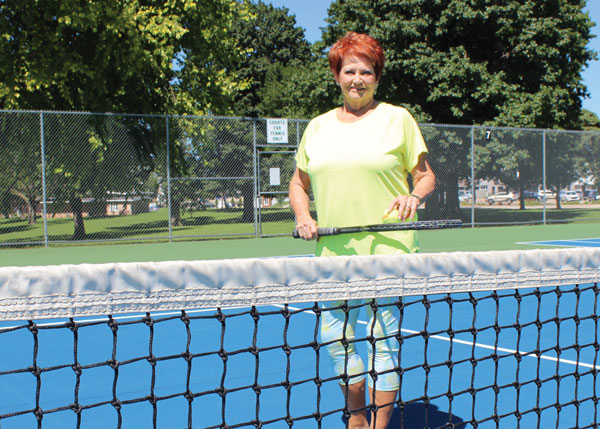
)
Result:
{"points": [[33, 203], [77, 210], [248, 195], [30, 202], [521, 194], [176, 212], [451, 204]]}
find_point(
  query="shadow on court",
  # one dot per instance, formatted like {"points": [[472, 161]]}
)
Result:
{"points": [[417, 415]]}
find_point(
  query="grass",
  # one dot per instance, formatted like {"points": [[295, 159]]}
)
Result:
{"points": [[214, 223], [154, 225]]}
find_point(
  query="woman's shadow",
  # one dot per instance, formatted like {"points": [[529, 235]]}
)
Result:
{"points": [[417, 415]]}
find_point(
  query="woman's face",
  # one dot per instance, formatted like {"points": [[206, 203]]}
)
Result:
{"points": [[357, 79]]}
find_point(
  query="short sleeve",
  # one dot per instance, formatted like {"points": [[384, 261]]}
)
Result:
{"points": [[301, 155], [414, 144]]}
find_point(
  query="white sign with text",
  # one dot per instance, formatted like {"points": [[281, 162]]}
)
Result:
{"points": [[277, 131]]}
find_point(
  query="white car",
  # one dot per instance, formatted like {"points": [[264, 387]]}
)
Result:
{"points": [[464, 196], [569, 196], [546, 195], [502, 197]]}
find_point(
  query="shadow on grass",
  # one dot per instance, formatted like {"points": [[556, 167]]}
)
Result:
{"points": [[5, 221], [16, 228]]}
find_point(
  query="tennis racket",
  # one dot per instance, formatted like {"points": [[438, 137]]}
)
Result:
{"points": [[382, 227]]}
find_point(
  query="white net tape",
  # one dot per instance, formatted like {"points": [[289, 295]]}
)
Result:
{"points": [[86, 289]]}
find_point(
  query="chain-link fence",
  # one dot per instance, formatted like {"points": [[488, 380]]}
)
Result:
{"points": [[81, 177]]}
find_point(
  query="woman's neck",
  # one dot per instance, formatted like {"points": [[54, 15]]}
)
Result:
{"points": [[353, 113]]}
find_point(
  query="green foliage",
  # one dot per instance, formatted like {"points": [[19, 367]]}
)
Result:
{"points": [[270, 38], [510, 63], [124, 56], [589, 121], [128, 56], [299, 90], [588, 147]]}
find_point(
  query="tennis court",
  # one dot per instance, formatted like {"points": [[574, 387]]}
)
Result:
{"points": [[523, 357]]}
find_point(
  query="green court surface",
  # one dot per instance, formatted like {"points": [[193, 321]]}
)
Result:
{"points": [[449, 240]]}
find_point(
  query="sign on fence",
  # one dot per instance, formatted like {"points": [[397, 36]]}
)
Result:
{"points": [[277, 131]]}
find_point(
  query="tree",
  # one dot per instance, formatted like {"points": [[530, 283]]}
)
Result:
{"points": [[270, 37], [299, 90], [587, 158], [509, 63], [125, 56], [20, 164]]}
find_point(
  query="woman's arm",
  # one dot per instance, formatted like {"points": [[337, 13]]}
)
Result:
{"points": [[300, 202], [423, 185]]}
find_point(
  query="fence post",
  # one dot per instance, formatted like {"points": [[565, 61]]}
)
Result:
{"points": [[544, 177], [473, 193], [255, 201], [44, 197], [169, 180]]}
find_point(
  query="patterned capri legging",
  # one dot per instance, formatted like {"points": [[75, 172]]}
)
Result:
{"points": [[386, 349]]}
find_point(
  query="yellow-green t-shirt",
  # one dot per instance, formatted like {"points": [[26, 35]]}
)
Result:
{"points": [[356, 170]]}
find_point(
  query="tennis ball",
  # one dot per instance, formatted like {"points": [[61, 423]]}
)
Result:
{"points": [[391, 217]]}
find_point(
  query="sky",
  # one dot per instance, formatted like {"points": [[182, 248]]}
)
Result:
{"points": [[311, 14]]}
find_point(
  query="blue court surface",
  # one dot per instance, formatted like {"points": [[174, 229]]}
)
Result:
{"points": [[474, 349], [581, 242]]}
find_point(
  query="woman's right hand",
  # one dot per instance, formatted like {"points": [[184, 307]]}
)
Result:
{"points": [[307, 229]]}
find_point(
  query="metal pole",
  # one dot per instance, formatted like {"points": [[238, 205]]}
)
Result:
{"points": [[44, 197], [473, 194], [256, 201], [169, 181], [544, 177]]}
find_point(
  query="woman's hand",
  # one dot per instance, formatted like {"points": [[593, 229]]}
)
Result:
{"points": [[307, 229], [406, 205], [424, 185], [299, 187]]}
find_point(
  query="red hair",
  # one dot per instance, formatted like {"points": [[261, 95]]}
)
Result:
{"points": [[356, 45]]}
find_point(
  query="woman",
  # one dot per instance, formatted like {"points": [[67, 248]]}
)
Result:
{"points": [[356, 158]]}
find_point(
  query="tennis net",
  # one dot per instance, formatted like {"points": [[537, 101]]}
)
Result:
{"points": [[486, 339]]}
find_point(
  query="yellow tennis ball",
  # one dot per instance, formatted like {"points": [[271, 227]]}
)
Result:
{"points": [[390, 217]]}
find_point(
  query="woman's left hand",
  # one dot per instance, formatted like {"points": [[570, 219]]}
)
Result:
{"points": [[406, 205]]}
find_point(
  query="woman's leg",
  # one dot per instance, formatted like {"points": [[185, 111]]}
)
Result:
{"points": [[356, 394], [383, 359], [384, 401], [345, 357]]}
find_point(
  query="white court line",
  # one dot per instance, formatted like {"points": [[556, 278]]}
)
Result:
{"points": [[484, 346], [409, 331], [561, 242]]}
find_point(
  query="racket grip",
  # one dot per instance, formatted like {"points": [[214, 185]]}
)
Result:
{"points": [[326, 231], [320, 232]]}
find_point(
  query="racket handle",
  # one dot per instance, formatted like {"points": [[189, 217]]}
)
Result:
{"points": [[320, 232], [326, 231]]}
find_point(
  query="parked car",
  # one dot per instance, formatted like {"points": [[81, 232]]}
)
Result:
{"points": [[546, 195], [502, 197], [530, 195], [569, 196], [591, 195], [464, 196]]}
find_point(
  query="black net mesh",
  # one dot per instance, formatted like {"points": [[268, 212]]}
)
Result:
{"points": [[510, 358]]}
